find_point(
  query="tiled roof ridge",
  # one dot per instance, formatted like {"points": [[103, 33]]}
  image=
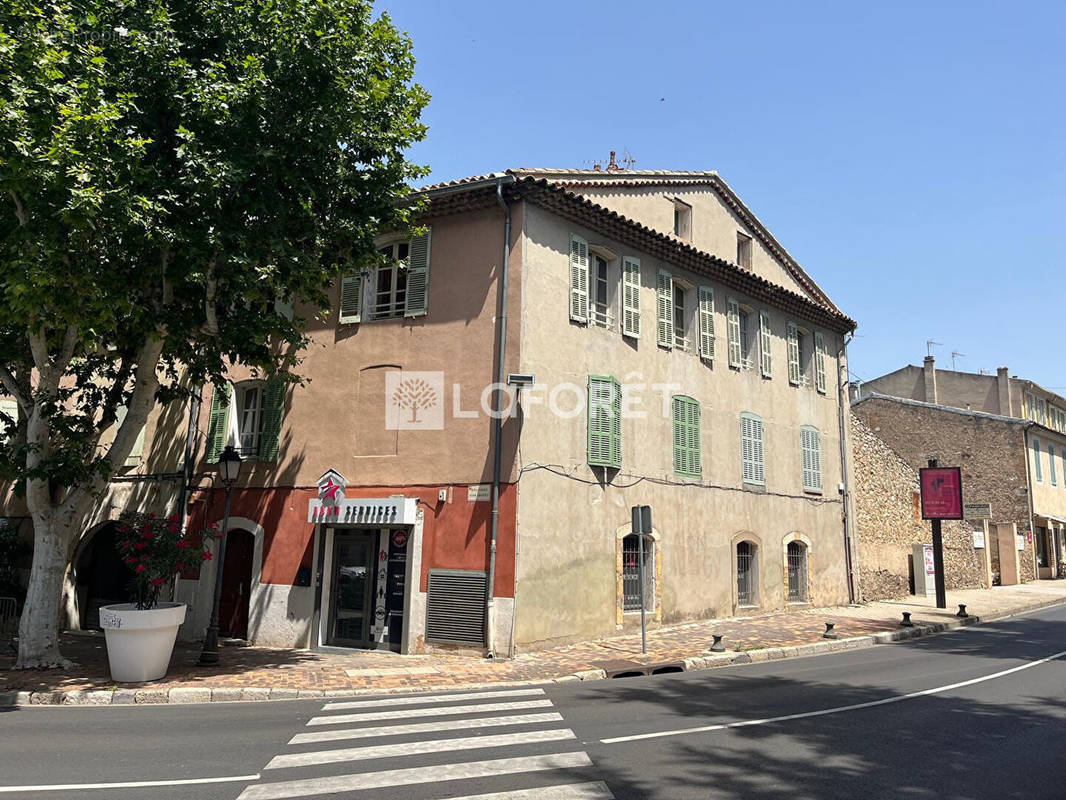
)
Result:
{"points": [[671, 241], [641, 177]]}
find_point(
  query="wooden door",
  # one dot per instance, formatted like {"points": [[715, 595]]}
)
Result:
{"points": [[236, 584]]}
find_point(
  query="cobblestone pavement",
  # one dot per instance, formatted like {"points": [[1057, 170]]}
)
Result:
{"points": [[270, 668]]}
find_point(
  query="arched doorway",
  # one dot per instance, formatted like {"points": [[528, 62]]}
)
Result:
{"points": [[236, 584], [103, 577]]}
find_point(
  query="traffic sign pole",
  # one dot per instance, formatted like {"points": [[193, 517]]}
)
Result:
{"points": [[938, 559]]}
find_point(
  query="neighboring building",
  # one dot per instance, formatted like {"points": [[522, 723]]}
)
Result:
{"points": [[681, 359], [1011, 443], [888, 523]]}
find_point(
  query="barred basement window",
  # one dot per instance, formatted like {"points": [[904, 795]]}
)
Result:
{"points": [[797, 572], [747, 571], [631, 573]]}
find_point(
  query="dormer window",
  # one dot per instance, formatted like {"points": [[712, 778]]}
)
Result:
{"points": [[743, 250], [682, 220]]}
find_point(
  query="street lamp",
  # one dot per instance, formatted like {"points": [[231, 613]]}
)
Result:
{"points": [[229, 467]]}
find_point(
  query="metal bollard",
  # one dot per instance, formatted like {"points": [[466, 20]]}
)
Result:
{"points": [[716, 646], [906, 623], [829, 632], [962, 611]]}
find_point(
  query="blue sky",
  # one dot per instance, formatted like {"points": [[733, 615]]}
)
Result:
{"points": [[909, 155]]}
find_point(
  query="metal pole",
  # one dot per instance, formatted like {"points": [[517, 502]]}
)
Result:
{"points": [[640, 572], [938, 559], [209, 655]]}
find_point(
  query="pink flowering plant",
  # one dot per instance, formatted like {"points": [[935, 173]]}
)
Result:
{"points": [[155, 548]]}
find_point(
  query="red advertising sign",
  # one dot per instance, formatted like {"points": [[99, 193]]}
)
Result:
{"points": [[941, 492]]}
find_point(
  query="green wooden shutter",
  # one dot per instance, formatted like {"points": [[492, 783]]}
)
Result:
{"points": [[604, 422], [766, 363], [706, 322], [686, 430], [819, 362], [793, 354], [1038, 467], [751, 449], [216, 426], [631, 297], [1051, 464], [417, 298], [351, 299], [273, 411], [811, 448], [579, 279], [733, 325], [664, 301]]}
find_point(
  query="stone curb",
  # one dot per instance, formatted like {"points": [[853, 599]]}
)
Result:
{"points": [[205, 694]]}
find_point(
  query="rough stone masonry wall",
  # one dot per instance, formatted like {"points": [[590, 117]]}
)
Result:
{"points": [[990, 450], [888, 522]]}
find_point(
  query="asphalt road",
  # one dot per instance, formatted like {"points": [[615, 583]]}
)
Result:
{"points": [[978, 713]]}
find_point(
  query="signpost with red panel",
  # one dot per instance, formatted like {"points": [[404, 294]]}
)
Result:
{"points": [[941, 490]]}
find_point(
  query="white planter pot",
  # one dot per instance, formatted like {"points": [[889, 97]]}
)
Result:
{"points": [[140, 641]]}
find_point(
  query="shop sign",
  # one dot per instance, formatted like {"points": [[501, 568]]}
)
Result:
{"points": [[977, 510]]}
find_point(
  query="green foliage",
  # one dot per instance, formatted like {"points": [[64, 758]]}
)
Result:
{"points": [[169, 169], [156, 549]]}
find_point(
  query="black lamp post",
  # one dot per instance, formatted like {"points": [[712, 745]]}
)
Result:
{"points": [[229, 466]]}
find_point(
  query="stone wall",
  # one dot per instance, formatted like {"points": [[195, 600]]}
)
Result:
{"points": [[888, 523], [990, 449]]}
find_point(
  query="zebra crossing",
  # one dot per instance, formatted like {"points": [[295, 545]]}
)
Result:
{"points": [[423, 747]]}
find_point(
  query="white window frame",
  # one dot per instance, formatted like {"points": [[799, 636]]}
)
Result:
{"points": [[682, 220], [249, 422], [393, 307]]}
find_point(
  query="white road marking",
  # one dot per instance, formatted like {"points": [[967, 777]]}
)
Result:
{"points": [[414, 775], [425, 727], [77, 787], [415, 700], [447, 711], [837, 710], [414, 748], [596, 790]]}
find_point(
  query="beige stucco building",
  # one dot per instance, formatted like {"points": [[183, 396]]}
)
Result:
{"points": [[483, 407]]}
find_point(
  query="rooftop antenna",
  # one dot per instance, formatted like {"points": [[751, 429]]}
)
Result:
{"points": [[627, 158], [956, 354], [929, 343]]}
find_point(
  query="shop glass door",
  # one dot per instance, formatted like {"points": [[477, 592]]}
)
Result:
{"points": [[351, 611]]}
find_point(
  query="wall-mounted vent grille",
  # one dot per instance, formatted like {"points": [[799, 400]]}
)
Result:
{"points": [[455, 607]]}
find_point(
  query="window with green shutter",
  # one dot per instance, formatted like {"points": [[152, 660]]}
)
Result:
{"points": [[794, 372], [686, 418], [811, 447], [604, 422], [706, 322], [351, 299], [765, 359], [1038, 467], [733, 325], [819, 362], [751, 449], [579, 279], [217, 426], [417, 299], [664, 299], [1052, 471], [631, 297], [273, 411]]}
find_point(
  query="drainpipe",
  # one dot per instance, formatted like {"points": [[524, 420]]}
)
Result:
{"points": [[844, 408], [497, 438]]}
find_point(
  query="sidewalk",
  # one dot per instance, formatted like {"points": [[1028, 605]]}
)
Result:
{"points": [[259, 673]]}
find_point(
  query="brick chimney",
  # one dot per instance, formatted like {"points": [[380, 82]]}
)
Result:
{"points": [[1006, 407], [930, 380]]}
